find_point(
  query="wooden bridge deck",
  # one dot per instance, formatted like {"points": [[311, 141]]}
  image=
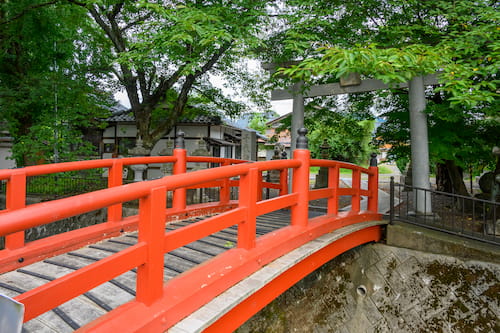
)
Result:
{"points": [[96, 302]]}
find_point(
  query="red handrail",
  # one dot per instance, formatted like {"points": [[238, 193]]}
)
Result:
{"points": [[153, 242]]}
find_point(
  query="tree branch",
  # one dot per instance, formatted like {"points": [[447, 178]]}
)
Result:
{"points": [[78, 3], [118, 74], [141, 75], [152, 76], [116, 9], [184, 93], [136, 22], [27, 9], [211, 62], [178, 109], [163, 86]]}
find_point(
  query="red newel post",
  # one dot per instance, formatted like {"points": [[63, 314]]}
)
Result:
{"points": [[16, 199], [179, 200], [115, 175], [300, 181], [248, 197], [152, 230], [373, 185]]}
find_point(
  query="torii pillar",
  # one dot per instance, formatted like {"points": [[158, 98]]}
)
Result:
{"points": [[297, 114], [419, 146]]}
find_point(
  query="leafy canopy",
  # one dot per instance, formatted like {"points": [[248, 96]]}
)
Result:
{"points": [[397, 40], [162, 53], [49, 95]]}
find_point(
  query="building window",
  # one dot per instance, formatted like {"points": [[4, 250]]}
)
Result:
{"points": [[228, 151]]}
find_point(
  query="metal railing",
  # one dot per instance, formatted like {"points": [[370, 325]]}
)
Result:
{"points": [[455, 214], [62, 186], [56, 186]]}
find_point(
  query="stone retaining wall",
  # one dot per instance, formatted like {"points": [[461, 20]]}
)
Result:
{"points": [[380, 288]]}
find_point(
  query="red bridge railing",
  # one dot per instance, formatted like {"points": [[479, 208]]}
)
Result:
{"points": [[181, 295]]}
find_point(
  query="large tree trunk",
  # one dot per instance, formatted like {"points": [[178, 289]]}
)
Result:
{"points": [[449, 178], [443, 181]]}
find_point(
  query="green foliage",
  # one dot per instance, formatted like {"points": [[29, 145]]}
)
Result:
{"points": [[403, 39], [189, 34], [258, 121], [391, 65], [173, 51], [349, 139], [348, 130], [346, 125], [160, 52], [66, 184], [465, 137], [394, 40], [48, 96]]}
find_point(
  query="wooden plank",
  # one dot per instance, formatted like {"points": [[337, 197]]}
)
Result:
{"points": [[121, 289]]}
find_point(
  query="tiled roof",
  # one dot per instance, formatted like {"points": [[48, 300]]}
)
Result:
{"points": [[202, 119], [120, 115]]}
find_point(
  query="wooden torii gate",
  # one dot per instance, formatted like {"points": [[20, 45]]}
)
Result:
{"points": [[352, 85]]}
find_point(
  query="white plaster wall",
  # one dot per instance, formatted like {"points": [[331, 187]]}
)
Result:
{"points": [[4, 162], [160, 145], [109, 132], [194, 131], [216, 132], [126, 131]]}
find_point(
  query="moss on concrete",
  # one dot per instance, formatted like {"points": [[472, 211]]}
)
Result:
{"points": [[406, 291]]}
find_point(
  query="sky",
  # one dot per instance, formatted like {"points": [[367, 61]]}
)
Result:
{"points": [[281, 107]]}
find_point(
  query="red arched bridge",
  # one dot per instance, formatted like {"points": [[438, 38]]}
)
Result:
{"points": [[177, 267]]}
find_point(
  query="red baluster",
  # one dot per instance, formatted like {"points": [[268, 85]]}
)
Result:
{"points": [[225, 189], [151, 230], [16, 199], [356, 187], [115, 178], [333, 183], [180, 166], [248, 196]]}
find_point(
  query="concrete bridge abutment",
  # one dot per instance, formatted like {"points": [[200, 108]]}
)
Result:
{"points": [[387, 288]]}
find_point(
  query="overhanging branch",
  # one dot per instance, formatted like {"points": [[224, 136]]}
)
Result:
{"points": [[27, 9]]}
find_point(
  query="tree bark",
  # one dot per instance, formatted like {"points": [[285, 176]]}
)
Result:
{"points": [[449, 178], [443, 181]]}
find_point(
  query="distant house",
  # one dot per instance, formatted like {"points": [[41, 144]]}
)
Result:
{"points": [[274, 137], [220, 139]]}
